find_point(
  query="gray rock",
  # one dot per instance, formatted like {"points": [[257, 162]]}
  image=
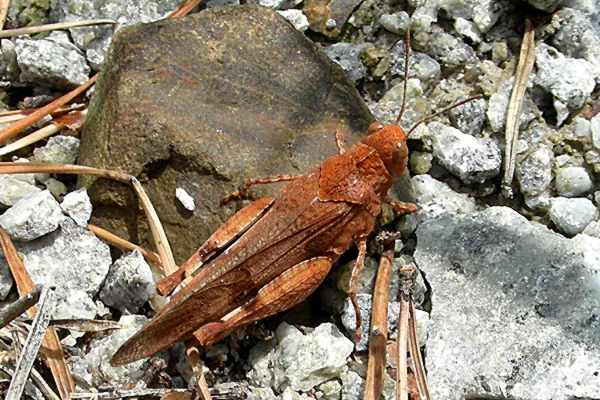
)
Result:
{"points": [[529, 327], [450, 51], [353, 386], [32, 216], [470, 117], [498, 107], [386, 110], [13, 189], [185, 199], [54, 186], [59, 149], [435, 198], [420, 65], [569, 80], [420, 162], [572, 215], [424, 16], [9, 68], [52, 61], [593, 229], [484, 13], [534, 172], [577, 36], [260, 393], [73, 260], [301, 361], [348, 318], [330, 390], [94, 367], [129, 283], [78, 206], [347, 56], [6, 280], [296, 18], [573, 181], [467, 29], [95, 40], [469, 158], [595, 128], [396, 23]]}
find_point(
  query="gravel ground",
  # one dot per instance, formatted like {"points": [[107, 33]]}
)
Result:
{"points": [[508, 297]]}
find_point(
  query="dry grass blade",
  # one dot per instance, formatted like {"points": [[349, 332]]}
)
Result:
{"points": [[15, 309], [193, 356], [85, 325], [184, 8], [379, 329], [158, 233], [415, 353], [40, 113], [53, 27], [124, 245], [27, 168], [51, 347], [402, 362], [4, 4], [72, 120], [32, 345], [526, 60], [123, 394]]}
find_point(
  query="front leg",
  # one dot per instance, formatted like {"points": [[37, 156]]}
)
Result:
{"points": [[401, 207], [242, 192]]}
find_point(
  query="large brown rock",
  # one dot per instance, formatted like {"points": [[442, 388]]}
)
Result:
{"points": [[203, 103]]}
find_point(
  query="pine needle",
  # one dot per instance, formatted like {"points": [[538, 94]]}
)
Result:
{"points": [[513, 115], [124, 245], [29, 30]]}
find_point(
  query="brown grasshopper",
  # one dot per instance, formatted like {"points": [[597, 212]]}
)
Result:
{"points": [[274, 253]]}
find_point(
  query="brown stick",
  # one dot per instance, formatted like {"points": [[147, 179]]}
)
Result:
{"points": [[184, 8], [123, 244], [4, 5], [402, 362], [379, 329], [52, 350], [28, 168], [16, 128], [15, 309], [415, 354], [193, 356]]}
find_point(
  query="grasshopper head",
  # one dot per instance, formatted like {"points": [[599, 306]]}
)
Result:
{"points": [[390, 142]]}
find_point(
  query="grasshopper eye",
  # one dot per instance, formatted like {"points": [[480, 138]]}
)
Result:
{"points": [[374, 127]]}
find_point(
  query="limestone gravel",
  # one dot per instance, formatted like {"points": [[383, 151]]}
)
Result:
{"points": [[78, 206], [572, 215], [59, 149], [13, 189], [129, 283], [469, 158], [573, 181], [32, 216], [533, 301], [53, 61]]}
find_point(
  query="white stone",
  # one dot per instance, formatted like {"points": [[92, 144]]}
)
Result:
{"points": [[572, 215], [13, 189], [573, 181], [185, 199], [296, 18], [59, 149], [32, 216], [78, 206]]}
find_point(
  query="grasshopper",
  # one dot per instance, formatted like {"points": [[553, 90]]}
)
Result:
{"points": [[275, 252]]}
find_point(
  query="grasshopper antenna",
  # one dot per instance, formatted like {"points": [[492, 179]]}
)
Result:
{"points": [[406, 59], [430, 117]]}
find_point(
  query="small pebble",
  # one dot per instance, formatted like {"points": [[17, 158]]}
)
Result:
{"points": [[32, 216], [59, 149], [396, 23], [185, 199], [572, 215], [78, 206], [573, 181], [296, 18]]}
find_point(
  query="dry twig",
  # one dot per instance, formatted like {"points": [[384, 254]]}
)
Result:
{"points": [[73, 120], [19, 126], [51, 347], [158, 232], [193, 356], [32, 345], [124, 245], [15, 309], [123, 394], [4, 4], [185, 8], [53, 27], [415, 354], [379, 329], [513, 115]]}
